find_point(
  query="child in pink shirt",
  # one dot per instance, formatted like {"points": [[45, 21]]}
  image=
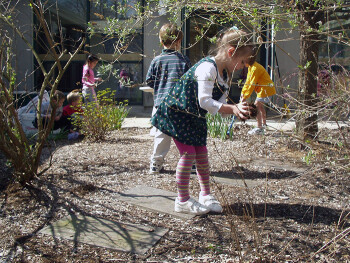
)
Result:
{"points": [[89, 80]]}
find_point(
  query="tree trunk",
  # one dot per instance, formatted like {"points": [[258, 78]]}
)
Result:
{"points": [[306, 123]]}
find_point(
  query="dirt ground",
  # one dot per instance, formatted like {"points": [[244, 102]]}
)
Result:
{"points": [[287, 217]]}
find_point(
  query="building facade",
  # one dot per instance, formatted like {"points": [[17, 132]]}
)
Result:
{"points": [[69, 20]]}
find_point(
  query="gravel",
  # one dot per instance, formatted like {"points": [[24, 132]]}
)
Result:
{"points": [[286, 217]]}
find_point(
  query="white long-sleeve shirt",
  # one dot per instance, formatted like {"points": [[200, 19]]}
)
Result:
{"points": [[206, 75]]}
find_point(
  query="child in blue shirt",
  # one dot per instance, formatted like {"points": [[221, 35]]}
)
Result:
{"points": [[165, 70]]}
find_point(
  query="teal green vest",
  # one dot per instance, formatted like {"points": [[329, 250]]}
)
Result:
{"points": [[179, 114]]}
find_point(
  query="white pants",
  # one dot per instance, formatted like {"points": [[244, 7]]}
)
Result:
{"points": [[161, 145]]}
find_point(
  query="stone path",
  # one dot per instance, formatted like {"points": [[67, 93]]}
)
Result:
{"points": [[140, 117], [106, 233], [278, 165], [153, 199], [115, 235], [259, 163], [237, 182]]}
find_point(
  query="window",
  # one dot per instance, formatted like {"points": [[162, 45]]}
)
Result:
{"points": [[68, 21], [332, 50], [120, 9]]}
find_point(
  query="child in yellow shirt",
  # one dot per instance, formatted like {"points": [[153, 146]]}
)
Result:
{"points": [[258, 80]]}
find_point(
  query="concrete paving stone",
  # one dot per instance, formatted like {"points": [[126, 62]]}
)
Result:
{"points": [[106, 233], [134, 122], [237, 182], [259, 163], [153, 199], [232, 181], [278, 165]]}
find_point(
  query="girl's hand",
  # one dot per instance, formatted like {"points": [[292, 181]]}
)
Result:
{"points": [[99, 79], [241, 110]]}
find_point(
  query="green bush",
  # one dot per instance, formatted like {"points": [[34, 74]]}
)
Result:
{"points": [[98, 120]]}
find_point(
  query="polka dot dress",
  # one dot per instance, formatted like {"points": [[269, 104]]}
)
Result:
{"points": [[179, 114]]}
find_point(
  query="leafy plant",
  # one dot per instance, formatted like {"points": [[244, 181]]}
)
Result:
{"points": [[98, 119], [215, 248], [308, 157], [59, 136], [218, 126], [117, 114]]}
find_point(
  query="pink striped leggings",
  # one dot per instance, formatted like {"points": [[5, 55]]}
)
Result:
{"points": [[189, 154]]}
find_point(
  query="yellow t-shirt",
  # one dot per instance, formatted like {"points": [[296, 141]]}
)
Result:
{"points": [[259, 80]]}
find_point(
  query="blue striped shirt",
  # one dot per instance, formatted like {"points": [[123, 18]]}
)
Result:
{"points": [[165, 70]]}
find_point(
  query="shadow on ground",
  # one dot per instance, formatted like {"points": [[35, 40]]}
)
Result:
{"points": [[305, 214], [243, 173]]}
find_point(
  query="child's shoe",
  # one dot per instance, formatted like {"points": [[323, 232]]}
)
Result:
{"points": [[155, 168], [256, 131], [191, 206], [210, 202]]}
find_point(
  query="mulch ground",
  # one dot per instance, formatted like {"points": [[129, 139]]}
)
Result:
{"points": [[287, 217]]}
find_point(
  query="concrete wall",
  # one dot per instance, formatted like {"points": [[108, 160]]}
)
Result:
{"points": [[287, 53]]}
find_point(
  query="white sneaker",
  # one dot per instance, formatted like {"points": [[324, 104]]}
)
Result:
{"points": [[256, 131], [210, 202], [191, 206], [155, 168]]}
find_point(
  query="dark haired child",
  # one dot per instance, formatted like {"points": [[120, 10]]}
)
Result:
{"points": [[89, 81]]}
